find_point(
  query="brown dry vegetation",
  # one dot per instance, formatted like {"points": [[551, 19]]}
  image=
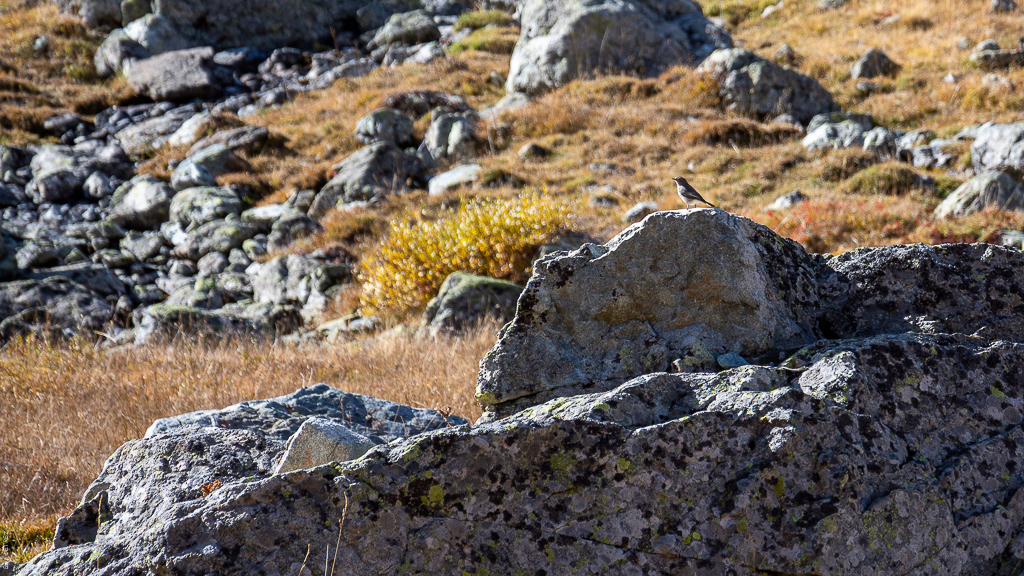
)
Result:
{"points": [[66, 407]]}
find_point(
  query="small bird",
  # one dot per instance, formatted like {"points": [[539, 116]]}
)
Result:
{"points": [[687, 193]]}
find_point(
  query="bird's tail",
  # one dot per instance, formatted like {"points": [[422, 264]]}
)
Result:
{"points": [[710, 204]]}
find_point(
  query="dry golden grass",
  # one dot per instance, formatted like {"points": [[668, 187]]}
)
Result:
{"points": [[35, 85], [66, 407]]}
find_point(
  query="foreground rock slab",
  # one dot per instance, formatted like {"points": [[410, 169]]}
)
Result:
{"points": [[872, 453]]}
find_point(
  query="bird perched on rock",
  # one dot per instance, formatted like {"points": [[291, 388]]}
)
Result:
{"points": [[687, 192]]}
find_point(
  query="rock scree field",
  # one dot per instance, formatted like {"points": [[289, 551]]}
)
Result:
{"points": [[404, 287]]}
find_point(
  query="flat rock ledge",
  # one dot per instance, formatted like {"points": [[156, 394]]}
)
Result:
{"points": [[876, 430]]}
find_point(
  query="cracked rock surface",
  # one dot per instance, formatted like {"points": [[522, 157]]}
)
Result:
{"points": [[875, 431]]}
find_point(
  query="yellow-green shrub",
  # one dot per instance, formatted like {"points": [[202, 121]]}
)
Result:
{"points": [[495, 238]]}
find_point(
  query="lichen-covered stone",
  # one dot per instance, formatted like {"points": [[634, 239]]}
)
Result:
{"points": [[678, 285], [868, 454]]}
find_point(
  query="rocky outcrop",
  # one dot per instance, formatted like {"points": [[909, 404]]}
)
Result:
{"points": [[863, 412], [563, 41], [681, 287], [757, 87]]}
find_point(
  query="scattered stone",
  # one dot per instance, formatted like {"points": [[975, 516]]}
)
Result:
{"points": [[533, 151], [638, 212], [245, 138], [177, 75], [753, 86], [873, 63], [464, 301], [787, 201], [289, 228], [459, 176], [319, 441], [376, 169], [785, 55], [116, 52], [202, 205], [450, 137], [143, 205], [990, 189], [385, 125], [409, 28]]}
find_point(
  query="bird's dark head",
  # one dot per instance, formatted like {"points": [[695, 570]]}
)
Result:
{"points": [[680, 180]]}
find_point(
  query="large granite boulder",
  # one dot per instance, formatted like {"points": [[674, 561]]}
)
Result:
{"points": [[563, 41], [754, 86], [873, 427], [681, 286], [872, 456]]}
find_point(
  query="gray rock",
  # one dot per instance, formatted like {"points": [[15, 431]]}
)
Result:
{"points": [[279, 418], [881, 141], [845, 134], [289, 228], [863, 120], [376, 169], [991, 189], [144, 206], [284, 280], [787, 201], [686, 285], [321, 441], [451, 137], [115, 52], [564, 41], [263, 217], [94, 278], [218, 160], [212, 264], [54, 186], [41, 254], [465, 301], [157, 34], [101, 14], [142, 138], [613, 462], [191, 175], [143, 245], [215, 236], [873, 63], [132, 10], [454, 178], [202, 205], [753, 86], [246, 138], [639, 211], [98, 186], [1004, 6], [54, 303], [999, 147], [385, 125], [998, 59], [410, 28], [176, 75]]}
